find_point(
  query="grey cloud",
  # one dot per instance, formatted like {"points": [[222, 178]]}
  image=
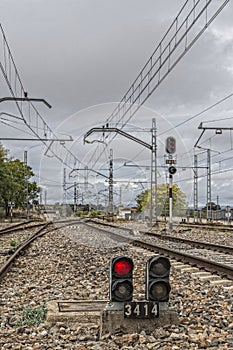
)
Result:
{"points": [[76, 54]]}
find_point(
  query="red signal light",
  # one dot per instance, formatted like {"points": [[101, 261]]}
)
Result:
{"points": [[122, 267], [170, 145], [121, 279]]}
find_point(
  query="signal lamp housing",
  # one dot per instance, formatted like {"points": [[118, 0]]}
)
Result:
{"points": [[157, 279], [172, 170], [121, 279], [170, 145]]}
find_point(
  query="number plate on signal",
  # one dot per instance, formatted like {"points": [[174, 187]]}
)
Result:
{"points": [[141, 309]]}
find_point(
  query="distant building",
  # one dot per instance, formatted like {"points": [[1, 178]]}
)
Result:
{"points": [[126, 213], [51, 214]]}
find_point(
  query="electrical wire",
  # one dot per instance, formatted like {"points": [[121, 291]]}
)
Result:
{"points": [[198, 114]]}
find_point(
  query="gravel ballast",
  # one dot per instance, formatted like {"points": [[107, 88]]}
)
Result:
{"points": [[74, 264]]}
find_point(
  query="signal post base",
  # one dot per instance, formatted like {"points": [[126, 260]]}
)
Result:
{"points": [[99, 313], [113, 321], [74, 312]]}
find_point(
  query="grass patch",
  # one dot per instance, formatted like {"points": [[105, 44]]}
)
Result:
{"points": [[14, 243], [32, 316]]}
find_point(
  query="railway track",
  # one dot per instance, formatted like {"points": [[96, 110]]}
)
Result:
{"points": [[27, 225], [164, 236], [210, 264], [19, 250], [197, 261], [162, 246], [59, 266], [194, 243], [15, 252], [214, 227]]}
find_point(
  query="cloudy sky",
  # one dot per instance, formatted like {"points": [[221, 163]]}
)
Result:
{"points": [[83, 55]]}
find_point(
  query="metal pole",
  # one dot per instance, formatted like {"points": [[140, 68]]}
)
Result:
{"points": [[41, 197], [195, 214], [170, 203], [86, 197], [218, 211], [208, 208], [75, 197], [64, 190], [111, 183], [153, 199], [26, 183], [120, 196], [45, 198]]}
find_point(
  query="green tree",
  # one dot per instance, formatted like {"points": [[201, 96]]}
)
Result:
{"points": [[143, 201], [3, 154], [179, 203], [14, 176]]}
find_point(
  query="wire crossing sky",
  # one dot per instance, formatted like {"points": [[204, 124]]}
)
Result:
{"points": [[188, 26]]}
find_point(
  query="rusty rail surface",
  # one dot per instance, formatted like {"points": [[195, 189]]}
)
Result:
{"points": [[6, 266], [211, 266], [27, 225], [41, 232], [205, 245]]}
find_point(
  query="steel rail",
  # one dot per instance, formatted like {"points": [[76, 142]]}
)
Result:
{"points": [[12, 227], [41, 232], [217, 247], [211, 266], [207, 227], [120, 238], [19, 227], [202, 263], [6, 266], [212, 246]]}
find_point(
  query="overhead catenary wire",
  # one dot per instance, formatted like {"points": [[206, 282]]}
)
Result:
{"points": [[163, 60], [195, 116], [16, 88], [198, 114], [192, 118]]}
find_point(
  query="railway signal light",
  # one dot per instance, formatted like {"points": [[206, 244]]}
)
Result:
{"points": [[157, 279], [172, 170], [170, 145], [121, 279]]}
